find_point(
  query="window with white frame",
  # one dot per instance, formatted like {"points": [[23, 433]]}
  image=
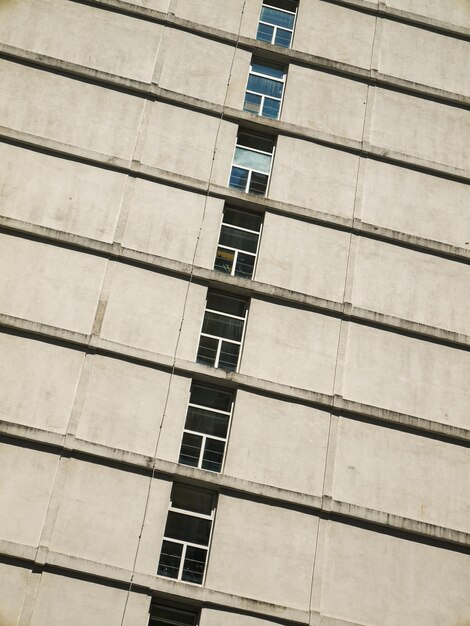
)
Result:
{"points": [[238, 242], [264, 89], [277, 21], [252, 163], [222, 331], [162, 615], [206, 428], [187, 534]]}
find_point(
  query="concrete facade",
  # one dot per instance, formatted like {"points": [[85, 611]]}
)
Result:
{"points": [[343, 495]]}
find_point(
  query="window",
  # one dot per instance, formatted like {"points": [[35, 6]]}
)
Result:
{"points": [[161, 615], [222, 331], [206, 428], [238, 243], [264, 89], [187, 534], [252, 163], [276, 22]]}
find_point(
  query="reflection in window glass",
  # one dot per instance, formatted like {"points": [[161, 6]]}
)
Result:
{"points": [[187, 534], [222, 331], [264, 89], [276, 22], [252, 162], [238, 243]]}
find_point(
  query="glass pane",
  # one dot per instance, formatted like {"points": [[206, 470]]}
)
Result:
{"points": [[242, 219], [190, 449], [170, 558], [238, 178], [163, 616], [226, 304], [252, 103], [276, 71], [207, 422], [222, 326], [194, 563], [265, 86], [207, 350], [192, 499], [265, 33], [213, 455], [238, 239], [258, 184], [271, 108], [213, 398], [187, 528], [245, 265], [252, 160], [228, 359], [276, 17], [224, 260], [283, 38], [258, 142]]}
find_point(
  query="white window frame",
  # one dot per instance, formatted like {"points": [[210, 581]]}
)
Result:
{"points": [[237, 250], [251, 170], [187, 544], [273, 38], [221, 339], [205, 437], [264, 96]]}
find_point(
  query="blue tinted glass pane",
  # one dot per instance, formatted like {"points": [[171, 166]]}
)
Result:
{"points": [[252, 103], [265, 33], [277, 17], [269, 70], [238, 178], [283, 38], [252, 160], [271, 108], [265, 86]]}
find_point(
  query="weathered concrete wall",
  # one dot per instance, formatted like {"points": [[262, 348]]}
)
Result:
{"points": [[38, 382], [12, 592], [264, 561], [278, 443], [304, 357]]}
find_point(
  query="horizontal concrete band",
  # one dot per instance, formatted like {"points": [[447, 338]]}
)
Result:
{"points": [[243, 286], [380, 9], [263, 125], [44, 559], [336, 404], [324, 505], [246, 200]]}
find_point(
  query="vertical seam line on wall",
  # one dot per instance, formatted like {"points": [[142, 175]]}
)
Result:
{"points": [[173, 368], [342, 322]]}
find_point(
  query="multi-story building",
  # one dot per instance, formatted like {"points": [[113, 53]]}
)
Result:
{"points": [[234, 313]]}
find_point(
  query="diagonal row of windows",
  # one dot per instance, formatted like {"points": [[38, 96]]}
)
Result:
{"points": [[191, 512]]}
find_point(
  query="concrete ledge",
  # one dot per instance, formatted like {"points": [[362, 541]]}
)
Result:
{"points": [[236, 198], [277, 127], [336, 403], [320, 504], [242, 286]]}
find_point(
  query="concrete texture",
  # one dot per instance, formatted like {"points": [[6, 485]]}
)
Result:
{"points": [[351, 400], [264, 561], [304, 358], [267, 430]]}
